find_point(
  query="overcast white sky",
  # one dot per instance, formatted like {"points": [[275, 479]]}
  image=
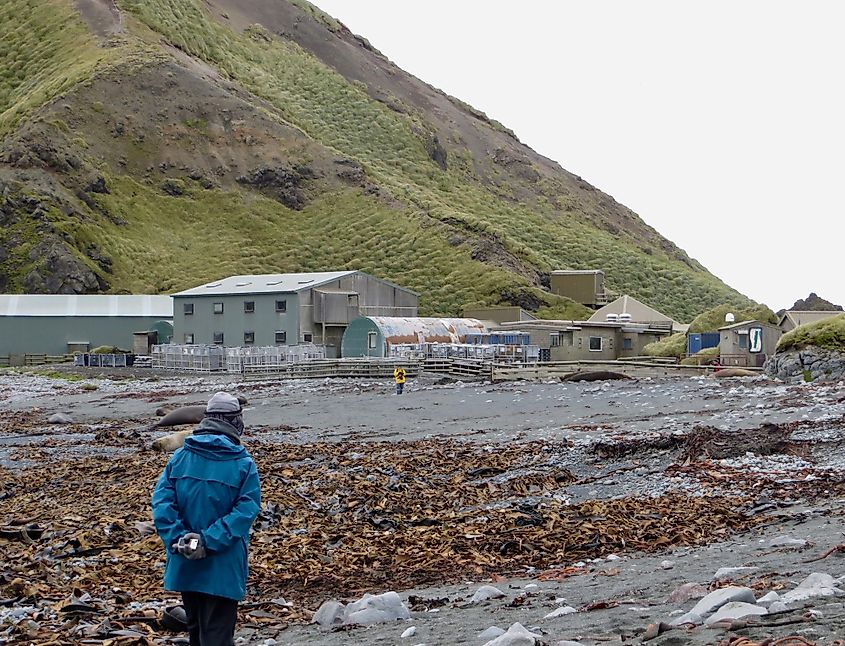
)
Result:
{"points": [[722, 124]]}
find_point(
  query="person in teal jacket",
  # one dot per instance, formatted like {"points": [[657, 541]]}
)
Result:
{"points": [[203, 507]]}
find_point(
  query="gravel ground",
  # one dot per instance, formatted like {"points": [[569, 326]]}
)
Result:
{"points": [[789, 484]]}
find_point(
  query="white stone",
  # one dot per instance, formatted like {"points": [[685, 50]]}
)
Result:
{"points": [[718, 598], [329, 614], [730, 572], [491, 633], [376, 609], [613, 557], [531, 587], [485, 593], [409, 632], [516, 635], [687, 618], [818, 584], [768, 599], [777, 607], [560, 612], [60, 418], [735, 610], [667, 565], [567, 642]]}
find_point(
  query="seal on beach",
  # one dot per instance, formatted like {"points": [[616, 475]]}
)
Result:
{"points": [[734, 372], [170, 443], [597, 375], [186, 415]]}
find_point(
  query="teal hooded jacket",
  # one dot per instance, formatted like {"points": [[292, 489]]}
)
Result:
{"points": [[210, 487]]}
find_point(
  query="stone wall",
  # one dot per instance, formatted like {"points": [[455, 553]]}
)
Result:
{"points": [[807, 364]]}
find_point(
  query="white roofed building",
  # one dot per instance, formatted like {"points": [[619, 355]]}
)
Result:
{"points": [[55, 324]]}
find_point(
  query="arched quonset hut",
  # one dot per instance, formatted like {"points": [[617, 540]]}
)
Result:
{"points": [[372, 336]]}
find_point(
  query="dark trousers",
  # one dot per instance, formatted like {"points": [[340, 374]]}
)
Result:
{"points": [[400, 388], [211, 620]]}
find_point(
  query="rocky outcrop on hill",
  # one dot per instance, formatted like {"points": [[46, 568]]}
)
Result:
{"points": [[807, 364], [813, 303]]}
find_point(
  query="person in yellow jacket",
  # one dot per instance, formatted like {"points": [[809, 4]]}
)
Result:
{"points": [[399, 378]]}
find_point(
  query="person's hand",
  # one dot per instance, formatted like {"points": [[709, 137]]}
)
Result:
{"points": [[190, 546]]}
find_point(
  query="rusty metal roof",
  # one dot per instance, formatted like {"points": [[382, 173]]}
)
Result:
{"points": [[408, 329]]}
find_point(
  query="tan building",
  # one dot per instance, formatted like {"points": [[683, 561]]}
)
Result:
{"points": [[588, 340], [629, 309], [582, 286], [791, 319], [748, 343], [499, 314]]}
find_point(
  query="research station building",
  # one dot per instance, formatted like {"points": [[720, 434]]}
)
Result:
{"points": [[58, 324], [285, 309]]}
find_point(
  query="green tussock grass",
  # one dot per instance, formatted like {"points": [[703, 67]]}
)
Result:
{"points": [[321, 16], [672, 346], [339, 114], [712, 320], [206, 234], [45, 49], [828, 334]]}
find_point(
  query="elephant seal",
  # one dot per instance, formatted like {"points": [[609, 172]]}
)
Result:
{"points": [[170, 443], [597, 375], [734, 372], [186, 415]]}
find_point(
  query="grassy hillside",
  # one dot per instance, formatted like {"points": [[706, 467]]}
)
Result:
{"points": [[828, 334], [362, 178]]}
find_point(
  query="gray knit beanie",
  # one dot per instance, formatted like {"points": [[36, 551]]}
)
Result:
{"points": [[223, 403]]}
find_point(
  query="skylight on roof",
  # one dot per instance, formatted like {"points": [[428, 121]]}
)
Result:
{"points": [[304, 282], [212, 285], [275, 282], [243, 284]]}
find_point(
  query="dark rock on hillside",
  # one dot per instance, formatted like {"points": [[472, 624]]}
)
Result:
{"points": [[282, 184], [59, 271]]}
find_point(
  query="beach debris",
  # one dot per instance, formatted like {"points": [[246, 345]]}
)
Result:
{"points": [[60, 418], [408, 632]]}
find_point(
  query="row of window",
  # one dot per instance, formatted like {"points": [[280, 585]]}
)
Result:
{"points": [[281, 338], [249, 307], [596, 343]]}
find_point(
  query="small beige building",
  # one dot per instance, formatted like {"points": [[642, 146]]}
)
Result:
{"points": [[499, 314], [630, 309], [585, 286], [791, 319], [588, 340], [748, 343]]}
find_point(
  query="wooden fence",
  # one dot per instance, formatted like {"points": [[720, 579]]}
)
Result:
{"points": [[33, 359]]}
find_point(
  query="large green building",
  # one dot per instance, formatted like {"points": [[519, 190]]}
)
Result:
{"points": [[57, 324], [285, 309]]}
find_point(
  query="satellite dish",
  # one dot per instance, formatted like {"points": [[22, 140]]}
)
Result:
{"points": [[730, 318]]}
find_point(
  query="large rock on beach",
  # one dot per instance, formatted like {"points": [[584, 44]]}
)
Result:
{"points": [[806, 364]]}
